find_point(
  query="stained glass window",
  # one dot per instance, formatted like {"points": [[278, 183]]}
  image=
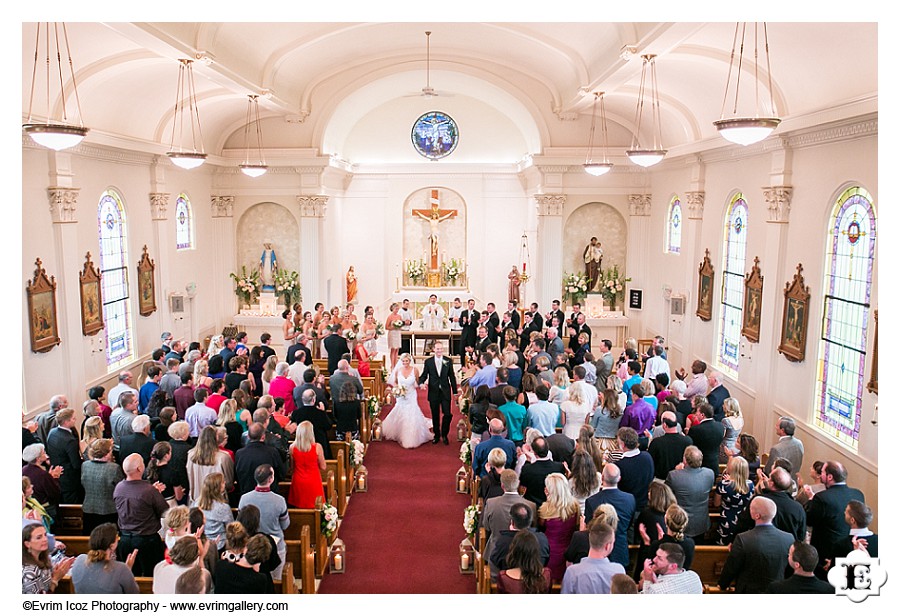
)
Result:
{"points": [[673, 228], [435, 135], [114, 278], [841, 361], [184, 223], [733, 284]]}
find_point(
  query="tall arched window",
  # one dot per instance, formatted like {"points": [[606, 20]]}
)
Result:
{"points": [[842, 347], [114, 273], [673, 226], [733, 284], [184, 223]]}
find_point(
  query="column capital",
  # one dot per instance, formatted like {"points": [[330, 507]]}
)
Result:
{"points": [[550, 204], [159, 204], [695, 200], [639, 205], [778, 200], [312, 206], [63, 202], [222, 206]]}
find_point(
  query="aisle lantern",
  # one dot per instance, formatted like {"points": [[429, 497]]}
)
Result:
{"points": [[462, 430], [462, 480], [338, 561], [376, 430], [362, 479], [466, 557]]}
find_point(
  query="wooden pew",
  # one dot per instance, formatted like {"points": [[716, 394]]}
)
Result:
{"points": [[708, 562], [343, 477], [313, 519], [368, 384], [328, 486], [284, 586], [69, 520]]}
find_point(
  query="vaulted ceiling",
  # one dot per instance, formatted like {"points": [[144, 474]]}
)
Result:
{"points": [[320, 78]]}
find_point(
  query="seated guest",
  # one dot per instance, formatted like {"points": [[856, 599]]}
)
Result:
{"points": [[525, 572], [99, 476], [194, 581], [665, 574], [184, 555], [623, 585], [39, 576], [757, 557], [593, 575], [244, 576], [98, 572], [803, 560]]}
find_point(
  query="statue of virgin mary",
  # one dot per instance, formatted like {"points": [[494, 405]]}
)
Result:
{"points": [[268, 265]]}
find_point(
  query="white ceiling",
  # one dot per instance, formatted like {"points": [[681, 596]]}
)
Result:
{"points": [[325, 77]]}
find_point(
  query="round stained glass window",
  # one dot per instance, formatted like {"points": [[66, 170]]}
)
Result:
{"points": [[435, 135]]}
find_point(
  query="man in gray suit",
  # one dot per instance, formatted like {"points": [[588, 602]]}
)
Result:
{"points": [[342, 375], [604, 364], [758, 557], [496, 517], [691, 483], [787, 447]]}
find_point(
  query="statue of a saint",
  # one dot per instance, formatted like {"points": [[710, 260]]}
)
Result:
{"points": [[593, 258], [268, 265], [351, 286], [515, 282]]}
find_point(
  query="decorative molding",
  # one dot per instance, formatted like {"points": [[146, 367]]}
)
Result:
{"points": [[778, 200], [865, 128], [222, 206], [313, 206], [639, 205], [63, 202], [159, 203], [695, 201], [553, 168], [550, 204], [566, 116]]}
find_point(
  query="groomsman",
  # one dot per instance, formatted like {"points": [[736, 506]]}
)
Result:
{"points": [[513, 309], [483, 340], [530, 326], [560, 317], [492, 323], [468, 319], [536, 317], [407, 316]]}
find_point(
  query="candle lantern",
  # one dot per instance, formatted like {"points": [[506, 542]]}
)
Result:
{"points": [[338, 561], [466, 557], [361, 484], [462, 480], [462, 430], [376, 430]]}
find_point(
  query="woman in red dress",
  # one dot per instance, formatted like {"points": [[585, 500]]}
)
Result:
{"points": [[309, 461]]}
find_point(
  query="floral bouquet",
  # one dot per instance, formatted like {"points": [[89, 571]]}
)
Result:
{"points": [[246, 284], [349, 334], [400, 391], [465, 452], [463, 403], [379, 329], [575, 287], [287, 285], [612, 285], [373, 406], [470, 519], [397, 324], [329, 520], [357, 451], [415, 270], [452, 271]]}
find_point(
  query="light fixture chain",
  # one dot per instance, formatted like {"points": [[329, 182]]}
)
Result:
{"points": [[590, 157], [737, 86], [730, 67], [72, 71], [195, 109], [37, 42], [769, 70], [62, 93]]}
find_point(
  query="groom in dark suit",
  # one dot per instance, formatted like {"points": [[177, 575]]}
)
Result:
{"points": [[438, 371]]}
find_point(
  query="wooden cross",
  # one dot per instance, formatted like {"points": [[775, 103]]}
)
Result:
{"points": [[434, 216]]}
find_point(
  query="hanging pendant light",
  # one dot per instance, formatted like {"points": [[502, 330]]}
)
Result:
{"points": [[186, 94], [589, 165], [254, 170], [745, 130], [647, 157], [54, 134]]}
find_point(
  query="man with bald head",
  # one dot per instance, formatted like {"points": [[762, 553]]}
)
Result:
{"points": [[341, 376], [139, 505], [758, 557], [790, 515], [482, 449], [622, 502], [668, 450]]}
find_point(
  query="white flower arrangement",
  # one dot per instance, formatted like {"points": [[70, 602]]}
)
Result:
{"points": [[398, 323], [373, 406], [470, 520], [415, 270], [246, 284], [287, 285], [465, 452], [357, 452], [612, 283], [329, 520], [452, 271], [379, 329], [349, 334], [575, 286]]}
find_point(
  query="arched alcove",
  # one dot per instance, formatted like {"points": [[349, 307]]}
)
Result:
{"points": [[451, 232], [595, 219], [272, 222]]}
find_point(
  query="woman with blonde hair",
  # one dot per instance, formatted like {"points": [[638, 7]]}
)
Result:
{"points": [[575, 411], [734, 424], [207, 458], [92, 430], [580, 544], [213, 502], [559, 392], [201, 374], [176, 524], [511, 362], [268, 373], [676, 523], [733, 493], [559, 518], [308, 459], [228, 419], [216, 344]]}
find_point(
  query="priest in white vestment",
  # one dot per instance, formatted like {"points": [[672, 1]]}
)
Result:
{"points": [[433, 315]]}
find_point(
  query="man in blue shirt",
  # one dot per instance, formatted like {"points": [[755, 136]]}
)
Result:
{"points": [[634, 376], [154, 374], [543, 415], [482, 449], [487, 373], [593, 575]]}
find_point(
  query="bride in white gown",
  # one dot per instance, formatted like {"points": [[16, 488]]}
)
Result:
{"points": [[405, 423]]}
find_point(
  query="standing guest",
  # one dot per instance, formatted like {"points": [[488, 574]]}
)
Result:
{"points": [[237, 374], [335, 346], [257, 363], [254, 454], [666, 575], [625, 508], [683, 406], [171, 380], [558, 517], [676, 521], [748, 448], [802, 559], [184, 395], [308, 464], [604, 363], [481, 451], [593, 575], [584, 480], [199, 415], [525, 572], [858, 516], [90, 432], [179, 433], [140, 507], [207, 458], [757, 557], [124, 385], [733, 494], [478, 414], [158, 401], [228, 419], [825, 511], [668, 450], [317, 417], [243, 576], [536, 469], [707, 436], [734, 423], [99, 476], [576, 410], [501, 511], [347, 412], [44, 480], [139, 441], [96, 393], [201, 375], [160, 470], [63, 450], [717, 394], [691, 483], [697, 383], [283, 387], [216, 394], [608, 416], [636, 468], [120, 420], [634, 378], [638, 415], [216, 367], [515, 415], [39, 576], [249, 517], [490, 483], [789, 516], [656, 364], [98, 572], [184, 555], [213, 502], [273, 511], [651, 521], [788, 447], [154, 375]]}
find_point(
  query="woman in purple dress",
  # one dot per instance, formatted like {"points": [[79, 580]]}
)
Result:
{"points": [[559, 518]]}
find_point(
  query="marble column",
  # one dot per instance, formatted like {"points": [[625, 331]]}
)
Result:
{"points": [[226, 304], [162, 235], [312, 224], [548, 248], [638, 253]]}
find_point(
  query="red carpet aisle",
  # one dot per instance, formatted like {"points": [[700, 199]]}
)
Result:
{"points": [[403, 535]]}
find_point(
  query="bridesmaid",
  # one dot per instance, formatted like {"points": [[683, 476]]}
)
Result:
{"points": [[393, 333]]}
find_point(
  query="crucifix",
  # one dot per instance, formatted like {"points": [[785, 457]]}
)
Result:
{"points": [[434, 216]]}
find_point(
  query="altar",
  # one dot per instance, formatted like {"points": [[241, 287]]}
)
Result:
{"points": [[256, 324], [610, 325]]}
